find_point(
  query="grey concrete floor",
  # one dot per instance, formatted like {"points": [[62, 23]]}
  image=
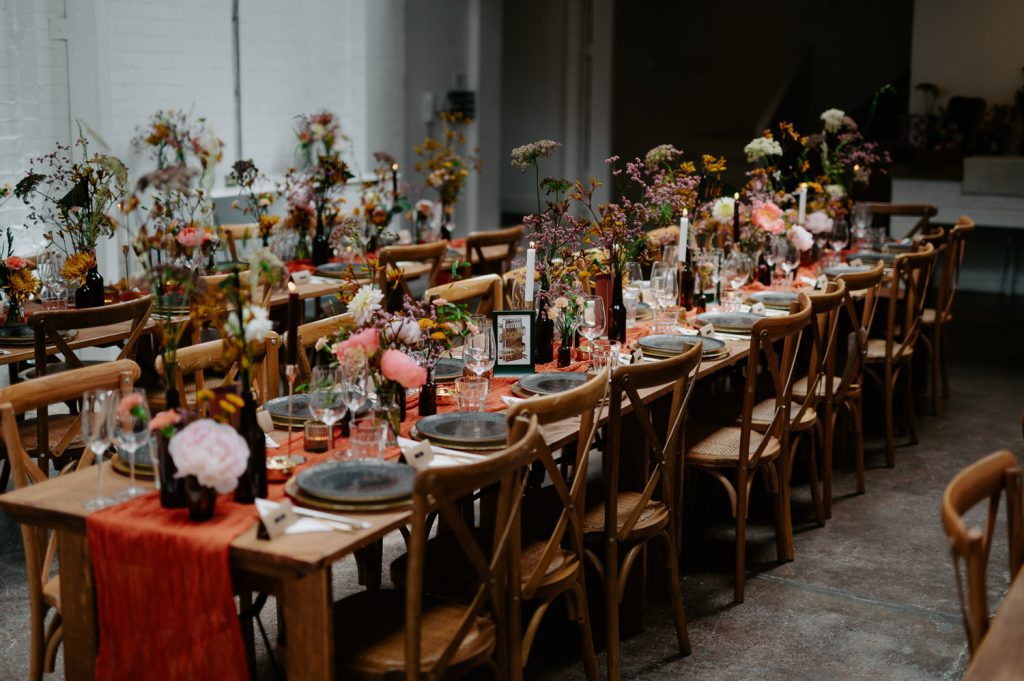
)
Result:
{"points": [[869, 596]]}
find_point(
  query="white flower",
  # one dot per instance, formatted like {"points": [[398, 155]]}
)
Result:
{"points": [[833, 119], [818, 222], [406, 331], [835, 191], [364, 303], [213, 452], [762, 147], [723, 208], [257, 324], [321, 343], [561, 301], [801, 238]]}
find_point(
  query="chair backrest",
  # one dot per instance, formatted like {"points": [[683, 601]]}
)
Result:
{"points": [[862, 288], [584, 403], [482, 263], [657, 458], [821, 353], [778, 370], [952, 261], [37, 394], [202, 357], [388, 258], [215, 280], [988, 478], [923, 211], [908, 291], [309, 333], [487, 289], [441, 489]]}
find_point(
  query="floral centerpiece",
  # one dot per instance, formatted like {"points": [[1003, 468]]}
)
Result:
{"points": [[75, 199], [317, 134], [210, 457], [444, 167], [380, 201], [314, 198], [17, 280], [256, 203]]}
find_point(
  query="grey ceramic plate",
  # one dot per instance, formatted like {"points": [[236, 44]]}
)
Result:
{"points": [[900, 246], [836, 270], [368, 481], [474, 428], [871, 256], [671, 345], [730, 321], [337, 269], [552, 382], [278, 408], [774, 299], [447, 369]]}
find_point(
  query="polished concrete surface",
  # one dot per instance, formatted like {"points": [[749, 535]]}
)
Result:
{"points": [[869, 596]]}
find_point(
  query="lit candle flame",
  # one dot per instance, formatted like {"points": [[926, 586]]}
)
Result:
{"points": [[531, 244], [736, 196], [394, 167], [684, 213]]}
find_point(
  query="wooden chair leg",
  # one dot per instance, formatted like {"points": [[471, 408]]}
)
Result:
{"points": [[611, 610], [54, 638], [908, 405], [783, 511], [826, 429], [887, 390], [37, 643], [936, 367], [579, 596], [945, 361], [246, 625], [741, 535], [857, 416], [676, 594], [813, 481]]}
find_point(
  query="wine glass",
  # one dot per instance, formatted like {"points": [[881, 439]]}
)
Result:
{"points": [[326, 398], [591, 321], [786, 254], [736, 270], [769, 259], [98, 433], [663, 285], [634, 274], [479, 350], [631, 300], [838, 236], [131, 433], [353, 378]]}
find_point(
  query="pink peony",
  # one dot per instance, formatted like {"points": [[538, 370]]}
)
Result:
{"points": [[164, 419], [213, 452], [188, 237], [16, 262], [801, 238], [367, 339], [398, 366], [768, 218], [819, 222]]}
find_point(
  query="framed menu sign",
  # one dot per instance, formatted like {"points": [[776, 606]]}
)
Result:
{"points": [[513, 332]]}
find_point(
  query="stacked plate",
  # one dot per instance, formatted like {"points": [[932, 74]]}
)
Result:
{"points": [[871, 257], [550, 382], [666, 346], [337, 270], [355, 485], [777, 300], [466, 430], [447, 369], [730, 322], [837, 270], [279, 410]]}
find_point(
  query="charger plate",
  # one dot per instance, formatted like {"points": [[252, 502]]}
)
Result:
{"points": [[143, 471], [462, 429], [836, 270], [670, 345], [357, 481], [447, 369], [296, 495], [778, 300], [734, 322], [871, 256], [552, 382]]}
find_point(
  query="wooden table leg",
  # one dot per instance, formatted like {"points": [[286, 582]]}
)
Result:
{"points": [[78, 606], [310, 626]]}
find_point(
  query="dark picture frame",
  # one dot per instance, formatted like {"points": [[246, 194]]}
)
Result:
{"points": [[513, 334]]}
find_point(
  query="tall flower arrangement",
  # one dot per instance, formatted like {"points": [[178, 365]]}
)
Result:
{"points": [[256, 203], [317, 136], [313, 195], [380, 201], [444, 166]]}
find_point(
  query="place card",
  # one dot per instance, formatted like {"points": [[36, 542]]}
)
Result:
{"points": [[420, 456], [810, 281], [300, 277], [821, 282], [274, 520], [707, 330], [757, 308]]}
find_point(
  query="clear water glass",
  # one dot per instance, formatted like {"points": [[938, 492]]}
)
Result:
{"points": [[471, 392], [631, 300], [98, 433], [131, 433], [663, 286], [367, 437], [605, 355], [326, 398]]}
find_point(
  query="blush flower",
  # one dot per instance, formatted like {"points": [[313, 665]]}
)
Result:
{"points": [[164, 419], [723, 208], [833, 119], [801, 238], [400, 367], [368, 340], [768, 218], [16, 262], [819, 222], [213, 452]]}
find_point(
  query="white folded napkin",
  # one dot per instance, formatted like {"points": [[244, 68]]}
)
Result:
{"points": [[443, 457], [271, 442], [301, 526], [509, 400]]}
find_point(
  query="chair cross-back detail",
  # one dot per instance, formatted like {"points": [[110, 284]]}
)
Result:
{"points": [[923, 211], [908, 288], [389, 258], [551, 571], [482, 263], [619, 529], [487, 289], [716, 449], [47, 327], [420, 636], [309, 333], [991, 478], [40, 549]]}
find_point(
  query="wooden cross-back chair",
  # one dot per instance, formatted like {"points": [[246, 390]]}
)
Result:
{"points": [[389, 258], [418, 635], [40, 544], [202, 357], [309, 333], [618, 529], [989, 478], [493, 263], [747, 450], [890, 357], [486, 289], [58, 435], [935, 320], [923, 211]]}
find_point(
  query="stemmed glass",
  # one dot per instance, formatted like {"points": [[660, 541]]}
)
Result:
{"points": [[479, 351], [591, 322], [838, 236], [769, 259], [663, 285], [131, 432], [98, 433], [786, 254], [353, 378], [326, 398], [736, 269]]}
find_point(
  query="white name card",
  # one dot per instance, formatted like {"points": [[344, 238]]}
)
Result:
{"points": [[302, 277], [707, 330], [821, 282], [420, 456], [757, 308], [277, 519]]}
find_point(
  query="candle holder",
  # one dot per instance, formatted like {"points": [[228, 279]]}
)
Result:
{"points": [[290, 372], [316, 437]]}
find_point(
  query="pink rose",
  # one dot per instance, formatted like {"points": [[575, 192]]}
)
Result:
{"points": [[768, 218], [164, 419], [398, 366], [188, 237], [801, 238], [367, 339], [16, 262]]}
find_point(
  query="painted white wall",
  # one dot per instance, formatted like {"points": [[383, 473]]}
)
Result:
{"points": [[972, 49]]}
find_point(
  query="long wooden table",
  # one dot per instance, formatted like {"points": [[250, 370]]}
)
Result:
{"points": [[1000, 657], [295, 567]]}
